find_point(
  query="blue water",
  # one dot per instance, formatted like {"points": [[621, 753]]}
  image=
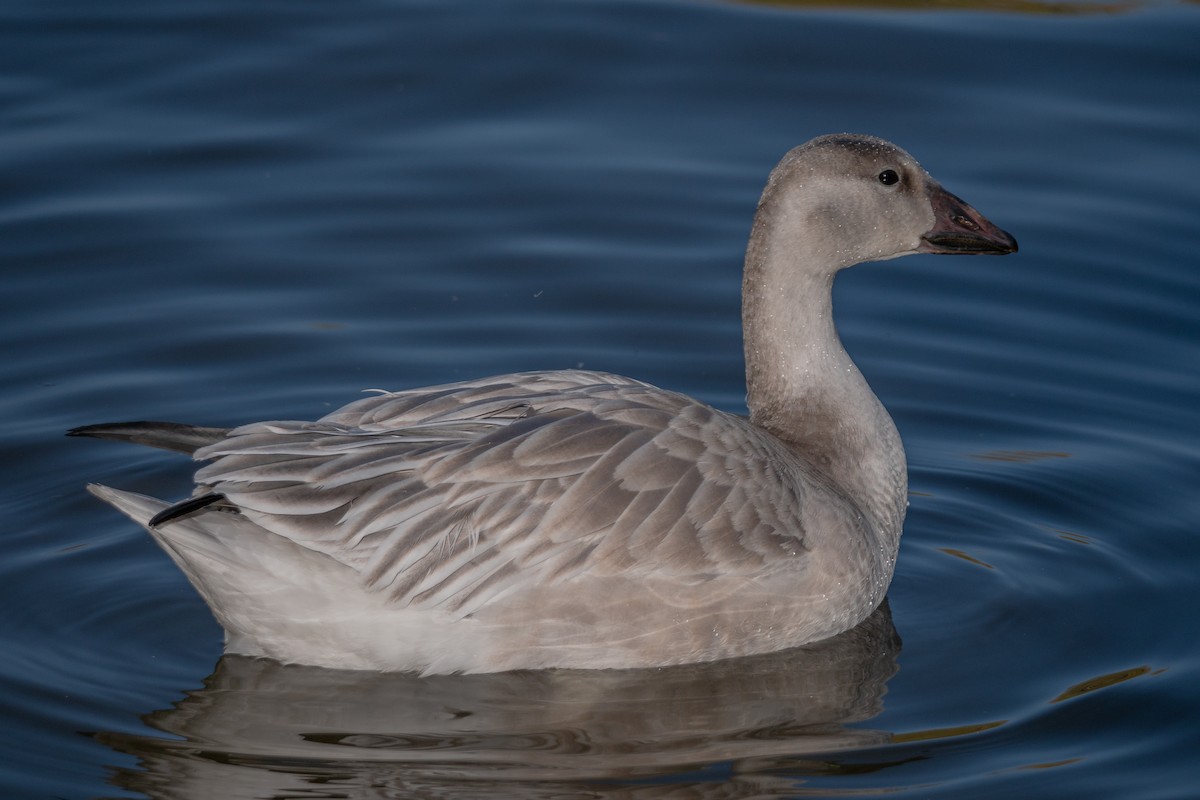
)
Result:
{"points": [[220, 212]]}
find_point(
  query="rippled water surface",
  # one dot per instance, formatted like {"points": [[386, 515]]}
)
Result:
{"points": [[220, 212]]}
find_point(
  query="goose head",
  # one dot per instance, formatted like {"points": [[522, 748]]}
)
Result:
{"points": [[847, 198]]}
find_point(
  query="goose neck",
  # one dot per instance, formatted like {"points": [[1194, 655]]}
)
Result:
{"points": [[802, 385]]}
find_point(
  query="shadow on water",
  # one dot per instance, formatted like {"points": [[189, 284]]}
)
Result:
{"points": [[261, 729]]}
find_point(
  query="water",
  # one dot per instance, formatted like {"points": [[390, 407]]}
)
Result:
{"points": [[217, 212]]}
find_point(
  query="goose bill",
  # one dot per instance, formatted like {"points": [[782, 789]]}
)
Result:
{"points": [[961, 230]]}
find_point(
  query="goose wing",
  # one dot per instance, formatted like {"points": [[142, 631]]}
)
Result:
{"points": [[450, 495]]}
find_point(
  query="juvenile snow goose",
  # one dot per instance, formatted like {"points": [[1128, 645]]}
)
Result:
{"points": [[582, 519]]}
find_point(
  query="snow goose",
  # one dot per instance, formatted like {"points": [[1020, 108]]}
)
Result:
{"points": [[582, 519]]}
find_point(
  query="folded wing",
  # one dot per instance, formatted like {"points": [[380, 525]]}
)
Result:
{"points": [[449, 496]]}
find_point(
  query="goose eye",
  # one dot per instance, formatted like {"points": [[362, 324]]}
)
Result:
{"points": [[889, 177]]}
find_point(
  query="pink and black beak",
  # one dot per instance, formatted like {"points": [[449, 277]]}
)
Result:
{"points": [[960, 229]]}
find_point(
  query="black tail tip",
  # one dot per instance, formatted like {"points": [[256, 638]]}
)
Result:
{"points": [[82, 430], [185, 508]]}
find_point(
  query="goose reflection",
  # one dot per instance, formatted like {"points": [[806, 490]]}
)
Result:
{"points": [[261, 729]]}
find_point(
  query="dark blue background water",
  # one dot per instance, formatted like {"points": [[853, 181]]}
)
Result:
{"points": [[221, 212]]}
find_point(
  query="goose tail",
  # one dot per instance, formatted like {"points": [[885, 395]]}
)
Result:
{"points": [[173, 436]]}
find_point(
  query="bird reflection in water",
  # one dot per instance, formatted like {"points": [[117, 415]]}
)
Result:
{"points": [[262, 729]]}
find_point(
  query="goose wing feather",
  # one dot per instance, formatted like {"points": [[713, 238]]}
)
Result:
{"points": [[448, 496]]}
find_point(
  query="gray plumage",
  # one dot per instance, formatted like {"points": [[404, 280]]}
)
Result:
{"points": [[583, 519]]}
